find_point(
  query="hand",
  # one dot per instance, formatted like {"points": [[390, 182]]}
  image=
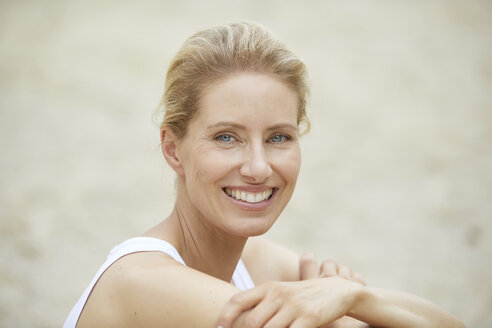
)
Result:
{"points": [[308, 268], [301, 304]]}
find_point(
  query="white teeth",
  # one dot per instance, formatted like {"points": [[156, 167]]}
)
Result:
{"points": [[248, 196]]}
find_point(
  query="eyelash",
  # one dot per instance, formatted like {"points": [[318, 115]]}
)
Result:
{"points": [[218, 137], [284, 137]]}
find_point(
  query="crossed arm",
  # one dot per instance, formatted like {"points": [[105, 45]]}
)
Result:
{"points": [[152, 290], [332, 297]]}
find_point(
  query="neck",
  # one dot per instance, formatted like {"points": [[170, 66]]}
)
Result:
{"points": [[202, 246]]}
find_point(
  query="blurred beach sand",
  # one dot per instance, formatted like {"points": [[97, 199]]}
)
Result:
{"points": [[396, 179]]}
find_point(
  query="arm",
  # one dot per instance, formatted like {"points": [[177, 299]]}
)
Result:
{"points": [[152, 290], [267, 261], [385, 308], [318, 302]]}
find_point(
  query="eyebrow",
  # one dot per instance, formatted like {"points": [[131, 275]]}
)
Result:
{"points": [[240, 126]]}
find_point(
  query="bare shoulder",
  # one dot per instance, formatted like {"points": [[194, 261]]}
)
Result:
{"points": [[268, 261], [150, 289]]}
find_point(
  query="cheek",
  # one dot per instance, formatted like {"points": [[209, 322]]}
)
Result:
{"points": [[210, 165], [288, 164]]}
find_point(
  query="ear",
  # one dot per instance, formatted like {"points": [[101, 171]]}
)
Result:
{"points": [[169, 149]]}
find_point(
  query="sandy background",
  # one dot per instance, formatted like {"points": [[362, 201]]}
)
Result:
{"points": [[396, 179]]}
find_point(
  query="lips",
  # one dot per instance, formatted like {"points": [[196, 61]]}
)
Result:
{"points": [[249, 197]]}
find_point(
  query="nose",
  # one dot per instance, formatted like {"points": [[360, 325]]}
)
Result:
{"points": [[256, 166]]}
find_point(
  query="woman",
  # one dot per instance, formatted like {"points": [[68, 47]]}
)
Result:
{"points": [[234, 104]]}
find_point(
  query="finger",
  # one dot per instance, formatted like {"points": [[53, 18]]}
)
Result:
{"points": [[239, 303], [345, 272], [359, 278], [304, 322], [261, 313], [328, 268], [308, 267], [282, 318]]}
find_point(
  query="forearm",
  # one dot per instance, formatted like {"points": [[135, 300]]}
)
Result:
{"points": [[320, 302], [384, 308]]}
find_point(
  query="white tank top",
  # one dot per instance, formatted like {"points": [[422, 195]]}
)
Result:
{"points": [[241, 278]]}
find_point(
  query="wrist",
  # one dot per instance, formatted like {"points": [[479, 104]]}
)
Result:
{"points": [[359, 294]]}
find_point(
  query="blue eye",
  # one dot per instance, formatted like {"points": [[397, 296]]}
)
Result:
{"points": [[225, 138], [279, 138]]}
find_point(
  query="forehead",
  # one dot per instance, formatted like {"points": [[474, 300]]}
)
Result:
{"points": [[253, 98]]}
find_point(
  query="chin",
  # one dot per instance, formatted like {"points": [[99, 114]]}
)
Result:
{"points": [[251, 227]]}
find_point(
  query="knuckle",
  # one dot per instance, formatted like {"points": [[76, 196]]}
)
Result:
{"points": [[307, 258], [279, 290], [250, 322], [297, 305], [311, 315], [310, 319], [308, 311], [227, 315], [328, 262], [345, 271], [328, 268], [236, 299]]}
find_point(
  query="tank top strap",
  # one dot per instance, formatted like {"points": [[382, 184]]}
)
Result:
{"points": [[241, 278], [133, 245], [144, 244]]}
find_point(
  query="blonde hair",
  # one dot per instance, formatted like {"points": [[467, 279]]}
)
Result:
{"points": [[213, 54]]}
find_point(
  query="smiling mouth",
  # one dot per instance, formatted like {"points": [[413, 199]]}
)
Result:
{"points": [[249, 197]]}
